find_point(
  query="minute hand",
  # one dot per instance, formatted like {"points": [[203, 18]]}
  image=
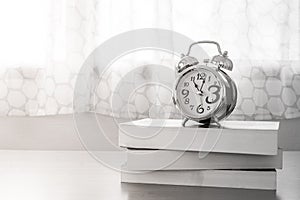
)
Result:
{"points": [[203, 81]]}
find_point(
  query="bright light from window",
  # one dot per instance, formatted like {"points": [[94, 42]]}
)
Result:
{"points": [[23, 32]]}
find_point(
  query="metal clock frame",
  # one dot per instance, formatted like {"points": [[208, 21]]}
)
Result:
{"points": [[226, 104]]}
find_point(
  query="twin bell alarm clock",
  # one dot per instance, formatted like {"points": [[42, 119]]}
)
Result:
{"points": [[203, 91]]}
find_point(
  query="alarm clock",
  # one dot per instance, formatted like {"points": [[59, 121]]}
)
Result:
{"points": [[203, 91]]}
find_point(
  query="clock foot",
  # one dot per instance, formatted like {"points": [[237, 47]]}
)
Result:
{"points": [[217, 121], [205, 123], [184, 121], [209, 123]]}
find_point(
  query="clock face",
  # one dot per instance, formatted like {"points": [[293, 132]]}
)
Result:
{"points": [[199, 93]]}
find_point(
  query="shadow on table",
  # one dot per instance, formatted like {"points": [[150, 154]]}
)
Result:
{"points": [[147, 192]]}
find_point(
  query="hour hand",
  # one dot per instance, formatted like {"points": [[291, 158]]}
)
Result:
{"points": [[196, 86]]}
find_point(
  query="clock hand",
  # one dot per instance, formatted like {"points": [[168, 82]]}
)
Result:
{"points": [[203, 81], [200, 92], [196, 86]]}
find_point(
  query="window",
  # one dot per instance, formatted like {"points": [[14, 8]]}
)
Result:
{"points": [[23, 32]]}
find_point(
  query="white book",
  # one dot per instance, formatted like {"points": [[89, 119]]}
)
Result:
{"points": [[261, 180], [189, 160], [245, 137]]}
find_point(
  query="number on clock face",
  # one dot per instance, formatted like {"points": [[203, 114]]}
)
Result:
{"points": [[215, 94], [199, 93]]}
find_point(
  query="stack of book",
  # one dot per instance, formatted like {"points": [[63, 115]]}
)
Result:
{"points": [[239, 154]]}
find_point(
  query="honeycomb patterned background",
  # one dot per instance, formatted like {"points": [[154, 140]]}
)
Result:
{"points": [[261, 36], [263, 93], [30, 92]]}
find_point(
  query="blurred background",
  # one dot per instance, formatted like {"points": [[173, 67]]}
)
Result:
{"points": [[44, 43]]}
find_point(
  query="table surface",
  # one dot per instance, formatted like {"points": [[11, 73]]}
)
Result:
{"points": [[76, 175]]}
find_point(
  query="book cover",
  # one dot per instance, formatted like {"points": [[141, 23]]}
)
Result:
{"points": [[246, 179], [244, 137], [189, 160]]}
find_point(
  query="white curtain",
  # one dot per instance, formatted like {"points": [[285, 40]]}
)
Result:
{"points": [[262, 38]]}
